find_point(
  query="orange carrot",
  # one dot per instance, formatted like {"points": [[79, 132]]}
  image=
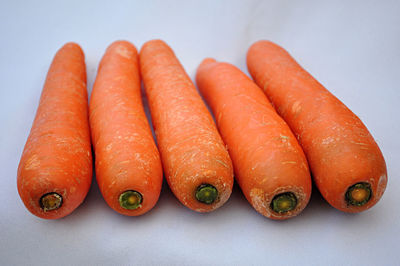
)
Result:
{"points": [[346, 163], [55, 170], [128, 165], [269, 164], [196, 163]]}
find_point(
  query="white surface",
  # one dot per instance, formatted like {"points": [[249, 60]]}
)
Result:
{"points": [[352, 48]]}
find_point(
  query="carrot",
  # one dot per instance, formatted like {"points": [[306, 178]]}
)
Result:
{"points": [[128, 165], [347, 165], [196, 163], [55, 170], [269, 164]]}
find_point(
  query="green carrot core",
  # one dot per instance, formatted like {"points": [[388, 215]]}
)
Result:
{"points": [[130, 200], [284, 202], [358, 194], [50, 201], [206, 193]]}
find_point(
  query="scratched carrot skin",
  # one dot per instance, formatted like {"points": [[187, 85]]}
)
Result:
{"points": [[55, 171], [347, 164], [196, 163], [128, 165]]}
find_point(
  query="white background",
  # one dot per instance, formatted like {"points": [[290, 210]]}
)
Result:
{"points": [[352, 47]]}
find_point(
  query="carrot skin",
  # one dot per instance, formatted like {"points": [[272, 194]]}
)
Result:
{"points": [[193, 155], [269, 164], [340, 150], [57, 158], [128, 165]]}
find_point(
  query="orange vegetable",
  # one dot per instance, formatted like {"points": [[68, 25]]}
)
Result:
{"points": [[347, 164], [128, 165], [196, 163], [269, 164], [55, 170]]}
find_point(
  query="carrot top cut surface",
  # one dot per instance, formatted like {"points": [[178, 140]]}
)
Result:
{"points": [[130, 200]]}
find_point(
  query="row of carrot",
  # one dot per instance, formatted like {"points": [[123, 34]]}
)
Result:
{"points": [[271, 132]]}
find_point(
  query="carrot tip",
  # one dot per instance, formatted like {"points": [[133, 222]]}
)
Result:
{"points": [[130, 200], [283, 202], [358, 194], [206, 193], [50, 201]]}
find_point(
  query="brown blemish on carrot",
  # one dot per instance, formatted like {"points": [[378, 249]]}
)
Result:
{"points": [[289, 162]]}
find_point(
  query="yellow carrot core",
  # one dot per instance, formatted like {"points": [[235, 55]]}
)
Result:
{"points": [[130, 200], [50, 201], [358, 194], [284, 204]]}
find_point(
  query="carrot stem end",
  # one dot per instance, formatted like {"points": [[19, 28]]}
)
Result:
{"points": [[50, 201], [130, 200], [206, 194], [283, 202], [358, 194]]}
